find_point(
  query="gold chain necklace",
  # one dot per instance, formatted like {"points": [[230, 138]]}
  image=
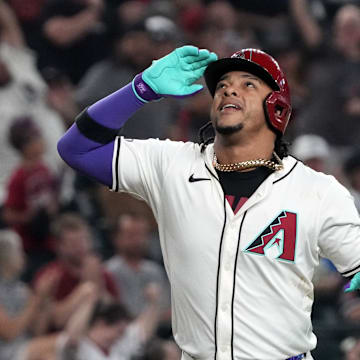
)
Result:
{"points": [[249, 164]]}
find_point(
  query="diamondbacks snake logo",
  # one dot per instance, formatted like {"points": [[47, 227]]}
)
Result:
{"points": [[278, 239]]}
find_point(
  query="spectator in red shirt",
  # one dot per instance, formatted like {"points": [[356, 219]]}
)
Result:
{"points": [[31, 200], [77, 263]]}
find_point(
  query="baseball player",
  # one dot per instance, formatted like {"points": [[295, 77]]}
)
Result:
{"points": [[241, 222]]}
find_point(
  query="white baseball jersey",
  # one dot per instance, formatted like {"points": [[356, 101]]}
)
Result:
{"points": [[241, 283]]}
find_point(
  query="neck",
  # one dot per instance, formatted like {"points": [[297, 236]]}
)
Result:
{"points": [[72, 267], [30, 162], [95, 335], [133, 261], [232, 153]]}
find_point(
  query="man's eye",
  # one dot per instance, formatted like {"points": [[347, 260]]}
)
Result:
{"points": [[220, 86], [250, 84]]}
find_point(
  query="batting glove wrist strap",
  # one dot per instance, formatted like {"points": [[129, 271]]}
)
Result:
{"points": [[143, 91], [175, 73], [354, 284]]}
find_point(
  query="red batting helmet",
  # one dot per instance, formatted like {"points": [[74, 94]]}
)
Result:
{"points": [[277, 104]]}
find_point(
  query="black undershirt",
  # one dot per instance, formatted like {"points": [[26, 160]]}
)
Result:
{"points": [[239, 186]]}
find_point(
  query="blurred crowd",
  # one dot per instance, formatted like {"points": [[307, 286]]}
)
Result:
{"points": [[81, 272]]}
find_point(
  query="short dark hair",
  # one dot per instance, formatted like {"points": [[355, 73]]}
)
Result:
{"points": [[110, 313], [22, 131], [68, 221]]}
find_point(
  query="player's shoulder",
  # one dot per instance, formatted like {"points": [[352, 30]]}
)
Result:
{"points": [[312, 178], [185, 145], [168, 145]]}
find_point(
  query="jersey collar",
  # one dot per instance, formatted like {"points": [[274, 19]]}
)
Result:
{"points": [[288, 161]]}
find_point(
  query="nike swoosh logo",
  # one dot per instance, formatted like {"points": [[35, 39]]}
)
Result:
{"points": [[192, 179]]}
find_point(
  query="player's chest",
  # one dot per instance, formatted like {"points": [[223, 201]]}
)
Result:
{"points": [[269, 223]]}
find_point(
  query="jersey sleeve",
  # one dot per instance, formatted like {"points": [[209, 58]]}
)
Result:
{"points": [[140, 167], [339, 230]]}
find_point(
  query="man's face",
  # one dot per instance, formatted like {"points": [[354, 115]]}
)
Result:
{"points": [[347, 29], [238, 103], [111, 333], [75, 245], [132, 239], [136, 47]]}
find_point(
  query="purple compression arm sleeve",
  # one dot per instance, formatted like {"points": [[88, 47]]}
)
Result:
{"points": [[88, 156]]}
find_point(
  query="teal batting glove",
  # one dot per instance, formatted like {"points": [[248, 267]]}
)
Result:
{"points": [[354, 284], [176, 73]]}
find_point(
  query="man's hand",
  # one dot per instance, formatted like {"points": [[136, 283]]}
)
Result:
{"points": [[354, 284], [47, 283], [152, 293], [92, 270], [175, 73]]}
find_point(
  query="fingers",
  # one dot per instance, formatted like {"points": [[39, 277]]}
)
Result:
{"points": [[202, 63], [204, 57], [202, 54], [175, 73], [187, 50], [191, 54], [198, 73]]}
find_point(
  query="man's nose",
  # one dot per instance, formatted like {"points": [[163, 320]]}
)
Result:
{"points": [[231, 91]]}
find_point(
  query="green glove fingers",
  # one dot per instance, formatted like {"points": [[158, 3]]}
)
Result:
{"points": [[354, 283], [200, 64], [202, 55], [187, 50], [175, 73], [196, 74]]}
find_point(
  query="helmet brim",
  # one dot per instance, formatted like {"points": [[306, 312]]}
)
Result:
{"points": [[217, 69]]}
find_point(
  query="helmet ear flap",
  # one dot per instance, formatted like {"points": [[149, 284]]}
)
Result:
{"points": [[277, 110]]}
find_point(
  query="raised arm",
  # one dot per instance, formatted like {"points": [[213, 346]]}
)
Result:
{"points": [[11, 326], [88, 145], [306, 24], [65, 30], [11, 32], [59, 345]]}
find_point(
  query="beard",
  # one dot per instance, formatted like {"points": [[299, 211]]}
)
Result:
{"points": [[228, 130]]}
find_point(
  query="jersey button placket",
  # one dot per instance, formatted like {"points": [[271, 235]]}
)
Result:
{"points": [[225, 348], [225, 307], [227, 266]]}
